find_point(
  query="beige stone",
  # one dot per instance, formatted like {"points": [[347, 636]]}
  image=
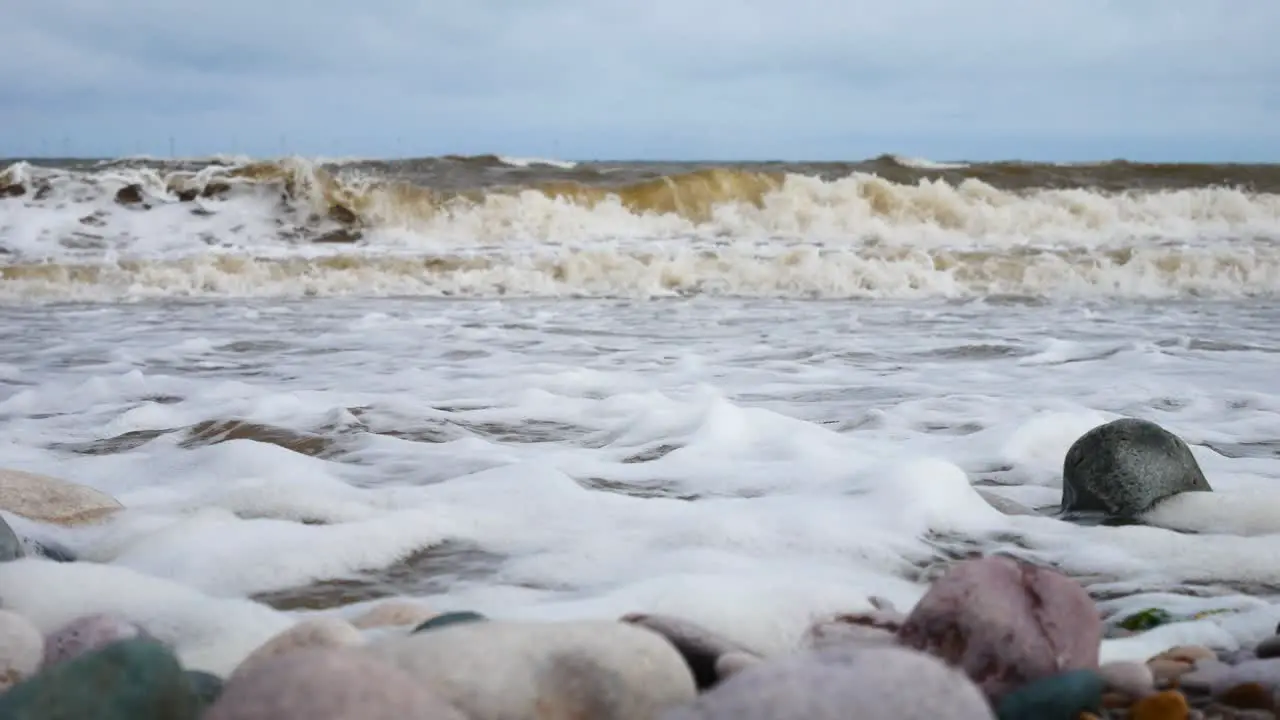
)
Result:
{"points": [[396, 612], [51, 500], [585, 669], [317, 632], [21, 649]]}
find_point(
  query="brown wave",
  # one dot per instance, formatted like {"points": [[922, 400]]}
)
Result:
{"points": [[370, 194], [481, 171], [801, 272]]}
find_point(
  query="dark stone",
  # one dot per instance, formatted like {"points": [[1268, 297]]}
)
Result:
{"points": [[1058, 697], [188, 195], [12, 190], [1125, 467], [449, 618], [10, 544], [128, 680], [339, 237], [342, 214], [43, 192], [207, 687], [129, 194]]}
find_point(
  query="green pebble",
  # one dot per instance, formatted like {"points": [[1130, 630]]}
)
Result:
{"points": [[1058, 697], [450, 618], [1146, 619], [134, 679]]}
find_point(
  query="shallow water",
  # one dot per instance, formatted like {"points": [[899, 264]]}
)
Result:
{"points": [[746, 463]]}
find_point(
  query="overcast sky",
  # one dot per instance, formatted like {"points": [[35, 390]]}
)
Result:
{"points": [[580, 79]]}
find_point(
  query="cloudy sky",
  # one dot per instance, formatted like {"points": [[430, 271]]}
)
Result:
{"points": [[753, 79]]}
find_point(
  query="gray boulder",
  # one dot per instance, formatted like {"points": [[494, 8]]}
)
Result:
{"points": [[1123, 468], [868, 683]]}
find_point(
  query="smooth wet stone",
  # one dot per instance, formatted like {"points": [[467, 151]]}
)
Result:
{"points": [[21, 647], [1165, 671], [733, 663], [51, 500], [1006, 623], [128, 680], [86, 634], [207, 687], [1216, 678], [1268, 648], [496, 670], [1133, 679], [838, 683], [315, 632], [325, 683], [700, 647], [394, 613], [1250, 695], [449, 618], [11, 547], [1058, 697], [1124, 467], [1189, 653], [1167, 705]]}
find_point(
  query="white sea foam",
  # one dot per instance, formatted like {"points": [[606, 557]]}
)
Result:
{"points": [[747, 464]]}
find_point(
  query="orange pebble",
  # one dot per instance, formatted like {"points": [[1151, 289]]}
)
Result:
{"points": [[1167, 705], [1249, 696]]}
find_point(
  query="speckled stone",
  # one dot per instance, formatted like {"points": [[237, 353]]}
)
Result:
{"points": [[85, 634], [323, 631], [327, 683]]}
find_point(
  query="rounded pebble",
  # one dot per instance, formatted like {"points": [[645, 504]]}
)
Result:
{"points": [[1165, 671], [1129, 678], [863, 682], [1250, 695], [449, 618], [85, 634], [1167, 705], [21, 649], [320, 683], [316, 632], [394, 613], [1189, 653], [1268, 648]]}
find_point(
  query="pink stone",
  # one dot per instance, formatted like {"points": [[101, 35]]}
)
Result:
{"points": [[84, 634], [1006, 622]]}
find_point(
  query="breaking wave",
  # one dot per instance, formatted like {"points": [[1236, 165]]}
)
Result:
{"points": [[494, 226]]}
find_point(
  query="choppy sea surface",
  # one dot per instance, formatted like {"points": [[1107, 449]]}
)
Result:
{"points": [[749, 395]]}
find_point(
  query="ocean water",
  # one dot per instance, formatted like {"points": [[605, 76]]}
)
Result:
{"points": [[746, 396]]}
